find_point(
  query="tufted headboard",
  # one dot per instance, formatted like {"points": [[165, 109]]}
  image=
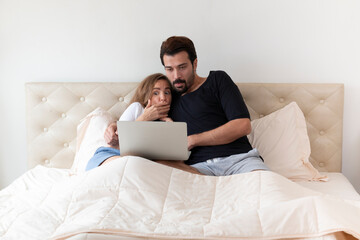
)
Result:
{"points": [[53, 111]]}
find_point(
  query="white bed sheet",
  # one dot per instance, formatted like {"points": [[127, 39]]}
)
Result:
{"points": [[110, 200], [337, 185], [99, 236]]}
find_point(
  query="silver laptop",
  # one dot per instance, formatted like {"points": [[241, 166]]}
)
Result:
{"points": [[153, 140]]}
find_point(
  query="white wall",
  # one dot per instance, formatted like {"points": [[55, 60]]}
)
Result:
{"points": [[118, 40]]}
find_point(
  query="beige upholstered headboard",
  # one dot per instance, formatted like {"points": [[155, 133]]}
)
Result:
{"points": [[55, 109]]}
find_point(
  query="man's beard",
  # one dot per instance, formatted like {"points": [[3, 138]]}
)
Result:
{"points": [[190, 82], [182, 90]]}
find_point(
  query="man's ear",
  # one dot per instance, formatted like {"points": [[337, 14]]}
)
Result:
{"points": [[195, 65]]}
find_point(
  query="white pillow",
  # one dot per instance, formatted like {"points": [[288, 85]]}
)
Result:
{"points": [[282, 140], [90, 136]]}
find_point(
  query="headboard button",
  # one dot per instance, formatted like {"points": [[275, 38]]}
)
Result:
{"points": [[63, 115], [45, 129], [47, 161], [66, 145], [322, 101], [44, 99], [322, 132], [121, 99], [261, 115], [281, 100], [82, 99], [321, 164]]}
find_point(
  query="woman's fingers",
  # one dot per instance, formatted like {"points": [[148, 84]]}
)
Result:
{"points": [[154, 112], [148, 104]]}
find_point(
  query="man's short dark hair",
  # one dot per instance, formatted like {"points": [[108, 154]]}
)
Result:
{"points": [[176, 44]]}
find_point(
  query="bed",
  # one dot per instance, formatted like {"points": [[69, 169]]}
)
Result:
{"points": [[297, 128]]}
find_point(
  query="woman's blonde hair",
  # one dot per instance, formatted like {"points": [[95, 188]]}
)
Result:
{"points": [[144, 90]]}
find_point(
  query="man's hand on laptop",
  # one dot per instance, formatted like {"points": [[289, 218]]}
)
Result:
{"points": [[154, 111], [166, 119], [111, 135]]}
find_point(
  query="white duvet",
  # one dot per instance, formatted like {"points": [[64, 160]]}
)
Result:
{"points": [[136, 197]]}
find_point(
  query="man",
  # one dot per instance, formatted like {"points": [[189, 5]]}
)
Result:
{"points": [[214, 110]]}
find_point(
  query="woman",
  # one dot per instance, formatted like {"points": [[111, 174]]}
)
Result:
{"points": [[150, 102]]}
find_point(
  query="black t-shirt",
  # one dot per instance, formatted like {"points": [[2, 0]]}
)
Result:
{"points": [[216, 102]]}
